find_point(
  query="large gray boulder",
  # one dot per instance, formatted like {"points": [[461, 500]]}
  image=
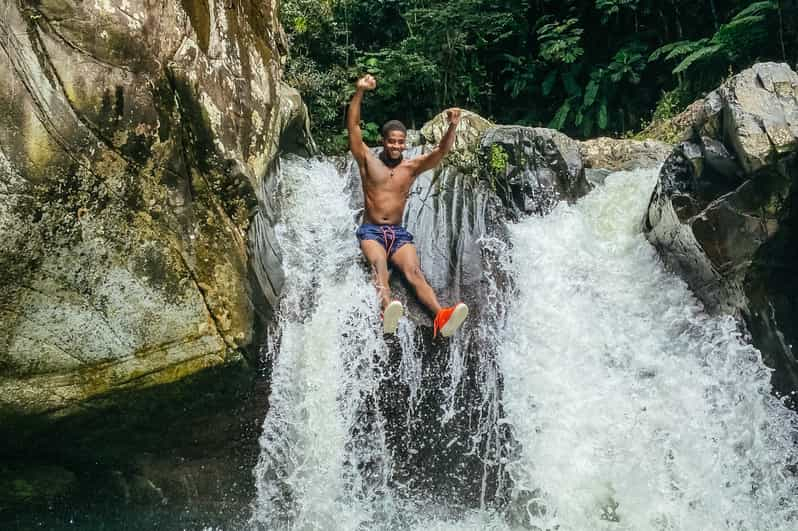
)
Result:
{"points": [[618, 154], [134, 142], [136, 269], [532, 168], [722, 214]]}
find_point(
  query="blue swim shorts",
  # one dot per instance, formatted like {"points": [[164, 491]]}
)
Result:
{"points": [[391, 237]]}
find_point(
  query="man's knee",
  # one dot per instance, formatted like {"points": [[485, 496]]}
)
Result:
{"points": [[415, 276]]}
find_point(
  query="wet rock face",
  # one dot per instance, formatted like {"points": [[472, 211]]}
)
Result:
{"points": [[531, 169], [722, 214]]}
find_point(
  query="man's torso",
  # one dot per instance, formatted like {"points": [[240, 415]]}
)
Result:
{"points": [[385, 190]]}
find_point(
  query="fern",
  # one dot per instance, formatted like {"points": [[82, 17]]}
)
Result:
{"points": [[741, 35], [687, 48], [676, 49], [756, 9], [704, 53]]}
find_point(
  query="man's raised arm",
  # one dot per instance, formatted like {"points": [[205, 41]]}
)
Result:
{"points": [[356, 145], [434, 157]]}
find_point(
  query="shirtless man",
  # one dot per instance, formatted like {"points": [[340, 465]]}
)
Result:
{"points": [[386, 184]]}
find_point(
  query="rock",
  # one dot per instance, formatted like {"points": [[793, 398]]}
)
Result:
{"points": [[531, 169], [136, 143], [722, 214], [133, 145], [469, 132], [720, 159], [677, 129], [623, 154], [760, 119]]}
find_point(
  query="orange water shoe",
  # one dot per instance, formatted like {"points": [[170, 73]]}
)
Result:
{"points": [[449, 319]]}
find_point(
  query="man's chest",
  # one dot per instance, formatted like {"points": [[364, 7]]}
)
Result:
{"points": [[385, 179]]}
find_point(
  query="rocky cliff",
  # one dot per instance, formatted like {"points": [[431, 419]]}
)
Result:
{"points": [[135, 140], [723, 214]]}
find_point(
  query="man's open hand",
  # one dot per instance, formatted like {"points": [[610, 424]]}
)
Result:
{"points": [[453, 115], [366, 82]]}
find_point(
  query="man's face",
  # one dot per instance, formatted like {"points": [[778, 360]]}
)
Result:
{"points": [[394, 144]]}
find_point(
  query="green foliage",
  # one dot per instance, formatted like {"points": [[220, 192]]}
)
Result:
{"points": [[585, 67], [498, 159], [628, 64], [371, 132], [559, 41], [737, 39], [609, 8], [670, 104], [497, 163]]}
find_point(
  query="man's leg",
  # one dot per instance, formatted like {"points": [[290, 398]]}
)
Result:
{"points": [[406, 259], [378, 258]]}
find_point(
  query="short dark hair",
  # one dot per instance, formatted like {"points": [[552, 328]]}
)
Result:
{"points": [[393, 125]]}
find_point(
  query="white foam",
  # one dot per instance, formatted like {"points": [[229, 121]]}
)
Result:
{"points": [[636, 410], [633, 409]]}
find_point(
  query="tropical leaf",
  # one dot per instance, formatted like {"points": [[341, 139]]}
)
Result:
{"points": [[587, 125], [676, 49], [757, 8], [559, 41], [603, 116], [704, 53], [590, 93], [562, 115], [571, 86]]}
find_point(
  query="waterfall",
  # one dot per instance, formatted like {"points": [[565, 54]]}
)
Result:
{"points": [[636, 410], [630, 409]]}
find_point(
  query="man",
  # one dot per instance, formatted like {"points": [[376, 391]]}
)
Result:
{"points": [[386, 184]]}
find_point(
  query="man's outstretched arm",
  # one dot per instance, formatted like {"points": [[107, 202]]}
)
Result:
{"points": [[356, 144], [434, 157]]}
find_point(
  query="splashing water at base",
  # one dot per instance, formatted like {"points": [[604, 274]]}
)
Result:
{"points": [[633, 409]]}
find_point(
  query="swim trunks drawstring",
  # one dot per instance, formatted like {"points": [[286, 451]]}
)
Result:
{"points": [[388, 230]]}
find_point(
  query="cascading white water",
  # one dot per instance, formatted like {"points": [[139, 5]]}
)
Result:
{"points": [[321, 360], [632, 409], [635, 409]]}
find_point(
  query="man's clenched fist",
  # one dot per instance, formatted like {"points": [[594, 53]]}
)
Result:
{"points": [[453, 115], [366, 82]]}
